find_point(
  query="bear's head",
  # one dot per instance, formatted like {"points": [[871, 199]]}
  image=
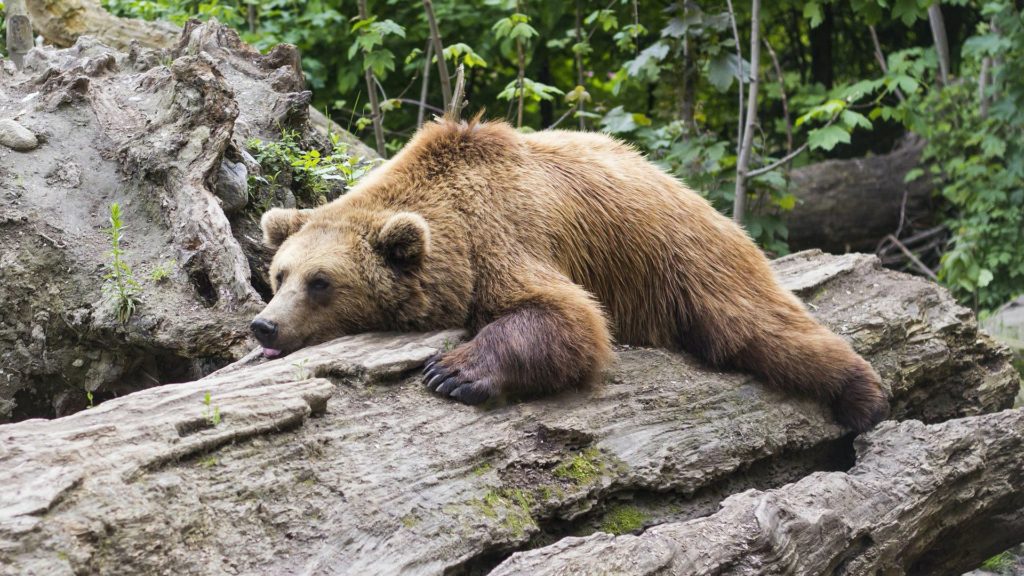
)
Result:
{"points": [[339, 272]]}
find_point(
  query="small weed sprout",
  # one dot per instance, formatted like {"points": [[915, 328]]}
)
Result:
{"points": [[301, 371], [120, 284], [88, 396], [211, 412], [162, 271]]}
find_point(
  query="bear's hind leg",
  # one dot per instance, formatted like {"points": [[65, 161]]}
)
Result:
{"points": [[552, 337]]}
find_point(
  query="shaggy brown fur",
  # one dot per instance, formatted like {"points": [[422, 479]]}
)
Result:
{"points": [[544, 246]]}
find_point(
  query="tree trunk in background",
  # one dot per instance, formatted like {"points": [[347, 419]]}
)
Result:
{"points": [[747, 142], [938, 26], [547, 108], [821, 48], [19, 31]]}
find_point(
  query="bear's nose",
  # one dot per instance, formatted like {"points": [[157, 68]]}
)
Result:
{"points": [[264, 330]]}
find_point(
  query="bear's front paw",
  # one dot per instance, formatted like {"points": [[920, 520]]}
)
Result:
{"points": [[451, 377]]}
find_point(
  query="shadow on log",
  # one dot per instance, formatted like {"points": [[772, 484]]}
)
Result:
{"points": [[335, 459]]}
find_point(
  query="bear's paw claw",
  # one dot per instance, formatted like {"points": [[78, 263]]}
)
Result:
{"points": [[472, 393]]}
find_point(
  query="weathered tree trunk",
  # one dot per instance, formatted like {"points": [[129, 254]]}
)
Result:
{"points": [[335, 459], [163, 133], [62, 22], [850, 205]]}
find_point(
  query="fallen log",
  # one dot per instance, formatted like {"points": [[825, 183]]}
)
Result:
{"points": [[850, 205], [335, 459], [62, 22], [927, 500]]}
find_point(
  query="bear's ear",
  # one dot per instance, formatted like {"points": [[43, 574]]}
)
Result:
{"points": [[403, 240], [280, 223]]}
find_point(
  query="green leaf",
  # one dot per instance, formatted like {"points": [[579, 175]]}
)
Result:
{"points": [[814, 13], [827, 137], [380, 61], [993, 146], [984, 278], [862, 88], [605, 18], [411, 56], [459, 50], [360, 24], [787, 202], [522, 31], [618, 121], [913, 174], [908, 11], [579, 93], [902, 81], [854, 119], [389, 27], [724, 67]]}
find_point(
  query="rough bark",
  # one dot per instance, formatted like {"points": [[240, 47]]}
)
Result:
{"points": [[850, 205], [335, 459], [927, 500], [62, 22], [163, 133]]}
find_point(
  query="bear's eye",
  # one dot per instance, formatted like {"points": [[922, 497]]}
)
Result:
{"points": [[318, 284]]}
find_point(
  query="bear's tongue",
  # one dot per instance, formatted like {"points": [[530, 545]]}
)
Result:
{"points": [[271, 352]]}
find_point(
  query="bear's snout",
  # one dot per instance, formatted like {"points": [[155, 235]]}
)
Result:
{"points": [[265, 331]]}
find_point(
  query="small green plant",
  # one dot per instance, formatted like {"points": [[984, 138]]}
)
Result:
{"points": [[999, 563], [300, 370], [162, 271], [120, 284], [312, 172], [208, 462], [211, 412], [88, 396]]}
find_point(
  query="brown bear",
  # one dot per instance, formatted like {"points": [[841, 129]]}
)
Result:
{"points": [[546, 247]]}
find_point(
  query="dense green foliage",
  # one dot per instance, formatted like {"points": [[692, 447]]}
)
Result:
{"points": [[976, 156], [313, 177], [668, 77]]}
